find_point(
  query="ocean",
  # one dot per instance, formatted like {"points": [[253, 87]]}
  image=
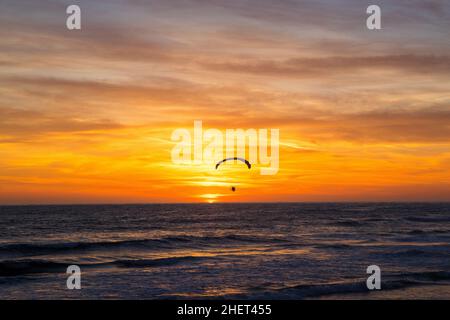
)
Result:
{"points": [[226, 251]]}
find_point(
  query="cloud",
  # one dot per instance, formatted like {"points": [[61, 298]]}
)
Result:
{"points": [[24, 125], [422, 126], [322, 67], [91, 105]]}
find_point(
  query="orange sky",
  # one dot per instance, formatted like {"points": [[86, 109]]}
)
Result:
{"points": [[86, 116]]}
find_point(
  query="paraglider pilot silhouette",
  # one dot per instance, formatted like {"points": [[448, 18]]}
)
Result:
{"points": [[234, 158]]}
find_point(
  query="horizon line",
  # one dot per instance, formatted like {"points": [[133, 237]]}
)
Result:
{"points": [[218, 203]]}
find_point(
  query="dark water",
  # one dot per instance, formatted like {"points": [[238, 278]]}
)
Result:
{"points": [[285, 251]]}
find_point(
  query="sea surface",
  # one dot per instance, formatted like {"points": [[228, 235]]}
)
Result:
{"points": [[230, 251]]}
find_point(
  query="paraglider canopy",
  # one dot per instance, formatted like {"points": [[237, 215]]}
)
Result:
{"points": [[234, 158]]}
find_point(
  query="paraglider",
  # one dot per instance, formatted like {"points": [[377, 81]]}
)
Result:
{"points": [[234, 158]]}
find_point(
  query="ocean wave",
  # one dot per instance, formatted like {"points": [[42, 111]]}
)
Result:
{"points": [[157, 243], [419, 253], [25, 267], [334, 246], [145, 263], [348, 223], [392, 282], [429, 219], [428, 232], [22, 267]]}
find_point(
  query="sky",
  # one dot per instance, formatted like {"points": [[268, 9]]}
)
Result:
{"points": [[86, 116]]}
